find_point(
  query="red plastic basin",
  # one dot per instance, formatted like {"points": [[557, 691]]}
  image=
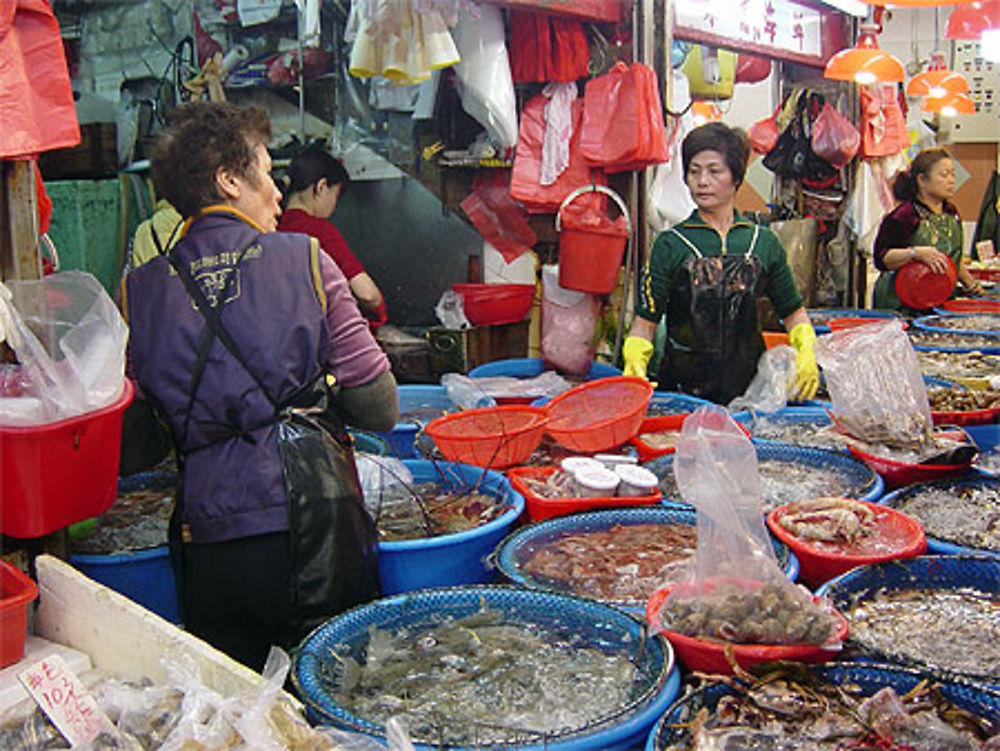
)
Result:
{"points": [[903, 534], [966, 305], [16, 592], [538, 508], [62, 472], [492, 304], [842, 324], [897, 474]]}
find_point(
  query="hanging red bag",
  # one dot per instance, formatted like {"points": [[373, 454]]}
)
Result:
{"points": [[501, 221], [883, 127], [623, 125], [752, 69], [525, 183], [834, 137]]}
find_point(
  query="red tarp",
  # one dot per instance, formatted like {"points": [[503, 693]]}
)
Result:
{"points": [[36, 101]]}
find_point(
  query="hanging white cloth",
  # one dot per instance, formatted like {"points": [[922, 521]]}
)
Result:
{"points": [[558, 130]]}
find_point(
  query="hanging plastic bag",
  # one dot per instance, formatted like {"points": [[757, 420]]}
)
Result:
{"points": [[883, 127], [485, 85], [792, 155], [525, 185], [737, 592], [547, 49], [69, 339], [500, 219], [763, 134], [834, 137], [876, 384], [450, 311], [569, 321], [623, 126], [774, 383]]}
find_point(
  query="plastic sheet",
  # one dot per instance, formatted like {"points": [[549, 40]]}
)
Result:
{"points": [[69, 339], [773, 385], [875, 384], [569, 320], [834, 137]]}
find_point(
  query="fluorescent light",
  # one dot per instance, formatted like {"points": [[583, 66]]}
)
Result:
{"points": [[865, 77], [852, 7], [990, 45], [948, 111]]}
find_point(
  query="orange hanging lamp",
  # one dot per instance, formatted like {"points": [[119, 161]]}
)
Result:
{"points": [[916, 3], [937, 80], [949, 105], [865, 63], [970, 21], [705, 112]]}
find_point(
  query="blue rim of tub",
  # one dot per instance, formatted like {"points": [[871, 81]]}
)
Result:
{"points": [[871, 491], [986, 437], [984, 702], [927, 323], [410, 397], [796, 414], [644, 710], [935, 572], [424, 470], [529, 367], [369, 443], [935, 545], [666, 513]]}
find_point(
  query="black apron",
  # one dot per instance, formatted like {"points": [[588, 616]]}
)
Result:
{"points": [[713, 336], [332, 537]]}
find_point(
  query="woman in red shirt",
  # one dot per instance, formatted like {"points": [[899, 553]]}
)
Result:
{"points": [[315, 183]]}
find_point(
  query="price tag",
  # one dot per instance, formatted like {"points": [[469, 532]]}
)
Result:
{"points": [[985, 250], [65, 700]]}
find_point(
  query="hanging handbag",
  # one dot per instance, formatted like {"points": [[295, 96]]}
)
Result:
{"points": [[792, 155], [834, 137]]}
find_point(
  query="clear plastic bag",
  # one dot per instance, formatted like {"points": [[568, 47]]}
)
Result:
{"points": [[450, 311], [774, 383], [737, 592], [69, 339], [467, 393], [569, 321], [474, 392], [381, 475], [875, 384]]}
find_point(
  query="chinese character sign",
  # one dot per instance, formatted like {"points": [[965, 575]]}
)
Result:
{"points": [[778, 24], [64, 699]]}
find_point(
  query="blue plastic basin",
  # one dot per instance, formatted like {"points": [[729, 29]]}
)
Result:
{"points": [[412, 398], [829, 313], [529, 367], [458, 558]]}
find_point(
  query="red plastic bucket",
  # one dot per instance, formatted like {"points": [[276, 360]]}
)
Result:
{"points": [[62, 472], [16, 592], [589, 258]]}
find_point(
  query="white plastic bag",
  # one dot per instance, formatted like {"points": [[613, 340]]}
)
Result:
{"points": [[569, 321], [486, 86], [558, 130], [450, 311], [875, 384], [69, 339], [772, 385], [467, 393]]}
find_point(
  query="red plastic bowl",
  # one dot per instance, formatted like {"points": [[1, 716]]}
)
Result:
{"points": [[662, 424], [918, 287], [538, 508], [492, 304], [60, 473], [599, 415], [965, 305], [971, 417], [16, 592], [897, 474], [986, 275], [708, 656], [818, 565], [842, 324], [493, 437]]}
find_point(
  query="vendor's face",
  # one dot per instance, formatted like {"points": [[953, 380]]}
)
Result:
{"points": [[710, 181], [326, 198], [939, 183], [257, 195]]}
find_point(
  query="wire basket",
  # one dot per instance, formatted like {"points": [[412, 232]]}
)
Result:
{"points": [[673, 731], [494, 437], [598, 415], [590, 624], [517, 548], [935, 572]]}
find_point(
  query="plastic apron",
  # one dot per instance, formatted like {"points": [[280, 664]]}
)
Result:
{"points": [[714, 339], [942, 231], [333, 541]]}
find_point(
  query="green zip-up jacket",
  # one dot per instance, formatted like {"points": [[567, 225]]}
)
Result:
{"points": [[669, 252]]}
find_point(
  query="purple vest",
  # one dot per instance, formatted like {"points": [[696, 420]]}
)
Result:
{"points": [[233, 483]]}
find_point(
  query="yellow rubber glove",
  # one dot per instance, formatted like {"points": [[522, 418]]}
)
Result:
{"points": [[801, 338], [636, 352]]}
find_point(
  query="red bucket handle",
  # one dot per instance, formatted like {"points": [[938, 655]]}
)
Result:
{"points": [[595, 189]]}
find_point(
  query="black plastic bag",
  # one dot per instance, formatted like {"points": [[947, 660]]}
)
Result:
{"points": [[793, 155]]}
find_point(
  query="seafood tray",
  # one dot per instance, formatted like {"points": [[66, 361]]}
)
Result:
{"points": [[539, 508], [972, 323], [793, 473], [959, 516], [646, 682], [516, 551], [663, 403], [137, 520], [797, 426], [958, 406], [950, 365], [907, 605], [673, 731], [953, 341]]}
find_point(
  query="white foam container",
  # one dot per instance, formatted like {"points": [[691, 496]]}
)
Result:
{"points": [[597, 483], [636, 481], [572, 464]]}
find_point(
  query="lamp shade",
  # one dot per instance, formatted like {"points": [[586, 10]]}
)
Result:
{"points": [[865, 63], [916, 3], [705, 112], [937, 80], [949, 105], [970, 21]]}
